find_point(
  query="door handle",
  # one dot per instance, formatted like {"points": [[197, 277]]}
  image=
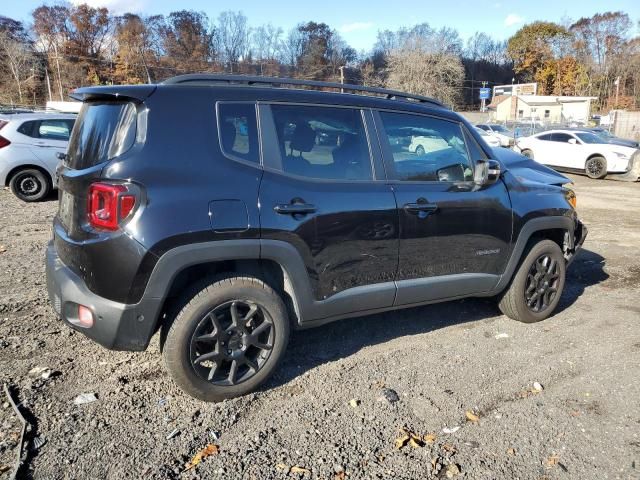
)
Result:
{"points": [[420, 207], [294, 208]]}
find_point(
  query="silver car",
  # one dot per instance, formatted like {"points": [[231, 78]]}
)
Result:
{"points": [[30, 147]]}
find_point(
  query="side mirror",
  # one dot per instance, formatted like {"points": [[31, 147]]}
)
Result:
{"points": [[486, 172], [573, 141]]}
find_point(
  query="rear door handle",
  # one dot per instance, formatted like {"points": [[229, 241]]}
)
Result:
{"points": [[294, 208], [420, 207]]}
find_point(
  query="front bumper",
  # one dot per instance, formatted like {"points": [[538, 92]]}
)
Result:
{"points": [[117, 326], [579, 236]]}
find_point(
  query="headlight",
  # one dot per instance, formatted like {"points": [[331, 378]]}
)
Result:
{"points": [[570, 195]]}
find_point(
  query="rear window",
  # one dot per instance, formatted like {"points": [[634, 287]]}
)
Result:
{"points": [[103, 130]]}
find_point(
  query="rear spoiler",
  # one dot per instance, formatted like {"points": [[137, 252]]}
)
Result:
{"points": [[137, 93]]}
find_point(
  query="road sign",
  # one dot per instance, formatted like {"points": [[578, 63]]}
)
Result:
{"points": [[485, 93]]}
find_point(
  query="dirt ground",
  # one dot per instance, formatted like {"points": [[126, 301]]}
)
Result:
{"points": [[326, 413]]}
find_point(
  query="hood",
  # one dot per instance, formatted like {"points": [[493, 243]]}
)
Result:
{"points": [[623, 142], [530, 170]]}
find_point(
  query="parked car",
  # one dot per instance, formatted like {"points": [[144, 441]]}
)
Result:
{"points": [[610, 138], [501, 132], [30, 147], [229, 228], [578, 151], [490, 139]]}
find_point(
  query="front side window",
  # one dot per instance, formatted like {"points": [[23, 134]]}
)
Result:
{"points": [[238, 132], [431, 149], [562, 137], [546, 137], [322, 142]]}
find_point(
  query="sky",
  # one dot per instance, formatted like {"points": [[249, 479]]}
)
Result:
{"points": [[359, 21]]}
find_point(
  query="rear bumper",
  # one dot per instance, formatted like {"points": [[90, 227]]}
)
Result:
{"points": [[117, 326]]}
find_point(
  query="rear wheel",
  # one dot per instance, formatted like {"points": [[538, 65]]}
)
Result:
{"points": [[527, 153], [228, 339], [596, 167], [419, 150], [536, 287], [30, 185]]}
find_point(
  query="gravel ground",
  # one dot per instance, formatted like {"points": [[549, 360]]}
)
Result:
{"points": [[346, 391]]}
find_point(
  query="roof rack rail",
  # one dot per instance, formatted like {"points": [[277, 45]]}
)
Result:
{"points": [[207, 78]]}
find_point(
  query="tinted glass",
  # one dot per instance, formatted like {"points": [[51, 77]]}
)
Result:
{"points": [[28, 128], [237, 129], [322, 142], [546, 137], [561, 137], [590, 138], [103, 131], [430, 149], [54, 129]]}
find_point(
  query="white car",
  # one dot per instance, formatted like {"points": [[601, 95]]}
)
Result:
{"points": [[501, 132], [490, 139], [420, 144], [30, 147], [577, 151]]}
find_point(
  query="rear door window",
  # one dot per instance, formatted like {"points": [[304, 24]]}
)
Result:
{"points": [[55, 129], [104, 130], [322, 142]]}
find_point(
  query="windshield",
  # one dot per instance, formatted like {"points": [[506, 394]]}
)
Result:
{"points": [[589, 138], [500, 128]]}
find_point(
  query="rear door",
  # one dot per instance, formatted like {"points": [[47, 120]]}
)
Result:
{"points": [[324, 192], [454, 234], [51, 137]]}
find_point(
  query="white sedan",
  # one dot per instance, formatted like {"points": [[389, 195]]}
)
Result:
{"points": [[578, 152], [491, 140], [502, 133]]}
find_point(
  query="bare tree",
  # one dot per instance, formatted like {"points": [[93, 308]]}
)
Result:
{"points": [[413, 68], [19, 60], [232, 37]]}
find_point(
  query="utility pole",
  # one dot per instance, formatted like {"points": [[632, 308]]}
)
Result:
{"points": [[341, 77], [482, 106], [617, 84]]}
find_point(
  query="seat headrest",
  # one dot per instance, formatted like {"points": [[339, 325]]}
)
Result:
{"points": [[303, 138]]}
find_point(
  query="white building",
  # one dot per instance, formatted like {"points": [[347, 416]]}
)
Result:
{"points": [[543, 108]]}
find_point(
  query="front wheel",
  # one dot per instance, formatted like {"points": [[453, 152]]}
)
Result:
{"points": [[30, 185], [228, 339], [596, 167], [536, 287]]}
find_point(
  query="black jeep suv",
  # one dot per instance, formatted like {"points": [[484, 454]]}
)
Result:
{"points": [[222, 211]]}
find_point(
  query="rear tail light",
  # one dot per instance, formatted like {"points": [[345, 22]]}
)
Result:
{"points": [[108, 205], [4, 142]]}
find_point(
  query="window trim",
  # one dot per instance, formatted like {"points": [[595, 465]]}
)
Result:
{"points": [[260, 163], [275, 165], [387, 154]]}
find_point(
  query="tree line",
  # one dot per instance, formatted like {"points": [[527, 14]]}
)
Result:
{"points": [[67, 46]]}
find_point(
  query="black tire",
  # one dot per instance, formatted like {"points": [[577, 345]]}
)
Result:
{"points": [[519, 301], [527, 153], [596, 167], [30, 184], [201, 373], [420, 150]]}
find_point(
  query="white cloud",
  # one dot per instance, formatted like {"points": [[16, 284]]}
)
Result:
{"points": [[513, 19], [116, 6], [355, 27]]}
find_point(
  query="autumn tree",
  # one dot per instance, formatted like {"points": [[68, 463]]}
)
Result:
{"points": [[17, 61], [187, 41], [138, 48], [232, 37]]}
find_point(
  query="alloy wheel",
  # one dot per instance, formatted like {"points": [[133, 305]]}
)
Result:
{"points": [[28, 185], [232, 342], [541, 286]]}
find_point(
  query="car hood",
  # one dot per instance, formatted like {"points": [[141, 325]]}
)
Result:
{"points": [[523, 167], [623, 142]]}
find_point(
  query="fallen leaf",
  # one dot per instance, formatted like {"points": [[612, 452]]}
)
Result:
{"points": [[429, 438], [207, 451], [511, 451], [452, 470], [282, 466], [354, 403], [340, 476], [415, 442], [472, 417], [448, 447], [3, 249], [553, 460], [402, 440], [297, 469], [407, 436]]}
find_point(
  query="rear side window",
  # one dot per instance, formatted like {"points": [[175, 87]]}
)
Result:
{"points": [[104, 130], [322, 142], [238, 132], [55, 129]]}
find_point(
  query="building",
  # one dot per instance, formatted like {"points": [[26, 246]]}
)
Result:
{"points": [[543, 108], [518, 88]]}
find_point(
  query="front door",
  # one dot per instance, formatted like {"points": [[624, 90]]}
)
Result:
{"points": [[322, 194], [454, 235]]}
